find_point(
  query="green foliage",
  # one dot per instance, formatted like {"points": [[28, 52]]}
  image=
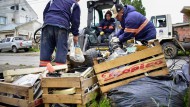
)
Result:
{"points": [[186, 99], [104, 102], [34, 50], [137, 4]]}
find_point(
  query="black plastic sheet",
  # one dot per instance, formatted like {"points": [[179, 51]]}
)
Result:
{"points": [[163, 91]]}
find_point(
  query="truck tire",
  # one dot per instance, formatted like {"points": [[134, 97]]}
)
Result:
{"points": [[170, 50], [90, 55], [26, 50], [14, 49]]}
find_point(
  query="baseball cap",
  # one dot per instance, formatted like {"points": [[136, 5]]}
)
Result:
{"points": [[116, 9]]}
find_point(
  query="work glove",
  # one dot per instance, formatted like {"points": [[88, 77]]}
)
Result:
{"points": [[114, 40], [101, 33]]}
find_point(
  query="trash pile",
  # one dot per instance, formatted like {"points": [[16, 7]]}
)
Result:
{"points": [[130, 76]]}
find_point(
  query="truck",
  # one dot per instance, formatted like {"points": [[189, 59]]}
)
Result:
{"points": [[167, 37], [14, 44]]}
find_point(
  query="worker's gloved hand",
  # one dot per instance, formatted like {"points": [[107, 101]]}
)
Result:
{"points": [[101, 33], [114, 40]]}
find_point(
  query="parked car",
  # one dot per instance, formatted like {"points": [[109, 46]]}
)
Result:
{"points": [[15, 44]]}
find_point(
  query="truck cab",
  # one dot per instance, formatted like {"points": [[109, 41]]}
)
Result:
{"points": [[167, 37]]}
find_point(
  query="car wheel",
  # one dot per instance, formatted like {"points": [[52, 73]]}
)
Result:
{"points": [[26, 50], [170, 50], [0, 50], [14, 49]]}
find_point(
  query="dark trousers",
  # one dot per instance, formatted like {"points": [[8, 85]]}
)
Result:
{"points": [[53, 37]]}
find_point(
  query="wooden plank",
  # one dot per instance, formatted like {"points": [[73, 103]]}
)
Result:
{"points": [[88, 71], [13, 89], [30, 95], [14, 101], [89, 82], [127, 59], [90, 96], [117, 84], [45, 90], [64, 82], [31, 70], [59, 98], [132, 70]]}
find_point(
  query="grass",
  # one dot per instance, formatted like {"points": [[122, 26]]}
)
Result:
{"points": [[34, 50], [102, 102], [181, 53], [186, 99]]}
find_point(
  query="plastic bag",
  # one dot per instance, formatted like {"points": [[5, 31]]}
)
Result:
{"points": [[160, 91], [76, 53]]}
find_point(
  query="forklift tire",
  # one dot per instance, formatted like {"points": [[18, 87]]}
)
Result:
{"points": [[90, 55], [170, 50]]}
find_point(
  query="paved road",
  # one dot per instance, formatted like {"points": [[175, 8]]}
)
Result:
{"points": [[28, 59]]}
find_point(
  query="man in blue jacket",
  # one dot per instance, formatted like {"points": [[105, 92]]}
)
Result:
{"points": [[106, 27], [58, 15], [134, 24]]}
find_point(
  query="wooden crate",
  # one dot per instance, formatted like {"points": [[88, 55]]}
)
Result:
{"points": [[24, 91], [150, 61], [78, 81]]}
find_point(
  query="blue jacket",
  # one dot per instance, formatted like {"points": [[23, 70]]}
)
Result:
{"points": [[107, 26], [61, 13], [133, 20]]}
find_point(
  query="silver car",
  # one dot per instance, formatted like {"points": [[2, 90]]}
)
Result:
{"points": [[15, 44]]}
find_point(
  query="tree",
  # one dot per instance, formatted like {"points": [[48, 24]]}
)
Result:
{"points": [[137, 4]]}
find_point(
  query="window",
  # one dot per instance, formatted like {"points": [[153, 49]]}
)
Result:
{"points": [[3, 40], [96, 19], [17, 7], [23, 9], [19, 38], [8, 39], [153, 20], [161, 21], [12, 7], [2, 20]]}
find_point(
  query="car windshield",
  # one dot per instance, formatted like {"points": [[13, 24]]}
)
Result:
{"points": [[19, 38]]}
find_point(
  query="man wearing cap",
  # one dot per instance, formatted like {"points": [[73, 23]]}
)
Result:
{"points": [[106, 27], [60, 17], [134, 24]]}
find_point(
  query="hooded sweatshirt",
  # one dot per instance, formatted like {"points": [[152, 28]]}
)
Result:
{"points": [[64, 14], [133, 20]]}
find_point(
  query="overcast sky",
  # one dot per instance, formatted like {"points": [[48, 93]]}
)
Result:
{"points": [[153, 7]]}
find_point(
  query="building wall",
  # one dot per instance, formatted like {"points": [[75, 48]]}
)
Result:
{"points": [[183, 32], [27, 30], [24, 13]]}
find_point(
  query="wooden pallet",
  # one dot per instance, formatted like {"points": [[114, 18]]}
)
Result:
{"points": [[122, 70], [24, 91], [70, 80], [10, 75]]}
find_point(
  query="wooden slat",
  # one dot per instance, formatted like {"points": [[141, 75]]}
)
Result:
{"points": [[117, 84], [14, 101], [108, 77], [89, 82], [127, 59], [64, 82], [58, 98], [13, 89], [90, 96], [31, 70], [30, 95]]}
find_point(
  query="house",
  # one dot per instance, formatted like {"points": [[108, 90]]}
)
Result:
{"points": [[17, 18], [183, 29]]}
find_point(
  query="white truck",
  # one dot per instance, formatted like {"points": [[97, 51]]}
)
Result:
{"points": [[166, 35], [14, 44]]}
